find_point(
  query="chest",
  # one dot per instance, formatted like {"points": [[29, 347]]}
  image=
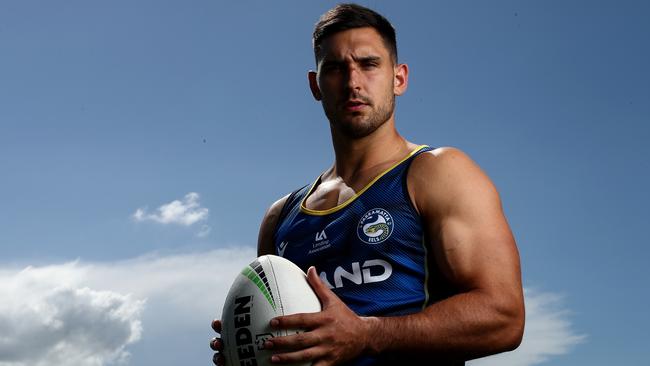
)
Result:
{"points": [[379, 224], [328, 195], [370, 249], [333, 192]]}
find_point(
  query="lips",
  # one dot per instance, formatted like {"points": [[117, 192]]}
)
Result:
{"points": [[354, 105]]}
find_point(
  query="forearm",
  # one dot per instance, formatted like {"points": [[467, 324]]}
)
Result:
{"points": [[464, 326]]}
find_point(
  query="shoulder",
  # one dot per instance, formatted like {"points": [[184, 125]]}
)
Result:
{"points": [[272, 214], [442, 158], [445, 178], [275, 209]]}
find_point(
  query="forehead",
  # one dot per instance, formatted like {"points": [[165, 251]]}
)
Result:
{"points": [[356, 42]]}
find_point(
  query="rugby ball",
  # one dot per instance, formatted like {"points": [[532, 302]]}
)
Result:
{"points": [[268, 287]]}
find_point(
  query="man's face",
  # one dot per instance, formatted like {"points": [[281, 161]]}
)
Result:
{"points": [[357, 81]]}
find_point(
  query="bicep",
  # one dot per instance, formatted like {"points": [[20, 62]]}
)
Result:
{"points": [[470, 237], [477, 254], [477, 250]]}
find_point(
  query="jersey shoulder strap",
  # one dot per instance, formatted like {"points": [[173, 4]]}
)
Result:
{"points": [[288, 204]]}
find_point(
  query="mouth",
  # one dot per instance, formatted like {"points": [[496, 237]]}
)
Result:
{"points": [[354, 105]]}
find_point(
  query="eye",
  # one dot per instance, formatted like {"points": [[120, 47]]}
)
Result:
{"points": [[368, 65], [331, 68]]}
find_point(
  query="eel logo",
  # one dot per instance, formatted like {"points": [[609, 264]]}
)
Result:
{"points": [[375, 226]]}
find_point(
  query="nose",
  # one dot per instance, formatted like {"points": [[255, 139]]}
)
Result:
{"points": [[353, 78]]}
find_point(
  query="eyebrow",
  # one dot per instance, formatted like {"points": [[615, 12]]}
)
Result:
{"points": [[356, 59], [367, 58]]}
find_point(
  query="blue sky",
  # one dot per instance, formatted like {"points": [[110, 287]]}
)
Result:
{"points": [[107, 108]]}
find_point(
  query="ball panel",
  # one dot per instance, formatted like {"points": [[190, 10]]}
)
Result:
{"points": [[296, 293], [268, 287], [245, 319]]}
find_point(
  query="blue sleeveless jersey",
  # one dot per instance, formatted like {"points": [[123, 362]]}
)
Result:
{"points": [[369, 250]]}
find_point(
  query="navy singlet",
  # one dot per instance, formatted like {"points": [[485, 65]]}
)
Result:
{"points": [[369, 250]]}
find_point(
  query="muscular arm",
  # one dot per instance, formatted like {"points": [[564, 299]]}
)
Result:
{"points": [[475, 251], [265, 243]]}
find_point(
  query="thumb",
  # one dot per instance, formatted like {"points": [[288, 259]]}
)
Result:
{"points": [[325, 295]]}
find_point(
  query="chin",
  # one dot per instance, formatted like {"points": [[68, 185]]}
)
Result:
{"points": [[358, 129]]}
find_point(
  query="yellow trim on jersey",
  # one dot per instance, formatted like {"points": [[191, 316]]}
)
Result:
{"points": [[306, 210]]}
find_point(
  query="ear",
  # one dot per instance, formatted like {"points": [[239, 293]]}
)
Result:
{"points": [[313, 85], [401, 79]]}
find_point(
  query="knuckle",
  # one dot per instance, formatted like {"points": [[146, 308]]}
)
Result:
{"points": [[301, 318], [307, 354], [279, 342], [301, 339], [328, 338]]}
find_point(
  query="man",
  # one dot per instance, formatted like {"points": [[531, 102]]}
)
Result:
{"points": [[414, 260]]}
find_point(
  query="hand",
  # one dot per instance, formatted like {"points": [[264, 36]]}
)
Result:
{"points": [[217, 345], [334, 335]]}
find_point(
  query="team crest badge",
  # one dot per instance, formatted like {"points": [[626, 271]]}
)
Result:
{"points": [[375, 226]]}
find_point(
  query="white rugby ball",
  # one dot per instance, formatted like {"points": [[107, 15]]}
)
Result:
{"points": [[268, 287]]}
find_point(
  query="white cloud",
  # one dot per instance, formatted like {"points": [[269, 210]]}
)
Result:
{"points": [[79, 314], [194, 284], [45, 321], [548, 333], [186, 212]]}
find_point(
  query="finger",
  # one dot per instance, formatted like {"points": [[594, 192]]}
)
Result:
{"points": [[216, 344], [218, 359], [322, 362], [297, 321], [293, 341], [304, 355], [325, 295], [216, 325]]}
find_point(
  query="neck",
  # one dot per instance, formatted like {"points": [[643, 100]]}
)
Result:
{"points": [[354, 157]]}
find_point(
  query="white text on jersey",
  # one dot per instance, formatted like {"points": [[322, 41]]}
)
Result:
{"points": [[360, 273]]}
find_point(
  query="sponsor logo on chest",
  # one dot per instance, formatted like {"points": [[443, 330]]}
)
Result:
{"points": [[370, 271], [320, 242]]}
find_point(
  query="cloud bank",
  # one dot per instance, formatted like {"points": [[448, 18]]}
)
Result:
{"points": [[186, 212], [47, 322], [83, 313], [548, 333]]}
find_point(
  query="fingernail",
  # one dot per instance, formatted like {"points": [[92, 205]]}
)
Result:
{"points": [[268, 345], [274, 322], [275, 359]]}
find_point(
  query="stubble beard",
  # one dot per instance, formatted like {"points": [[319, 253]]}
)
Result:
{"points": [[364, 127]]}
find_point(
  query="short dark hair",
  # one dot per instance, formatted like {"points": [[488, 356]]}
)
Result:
{"points": [[349, 16]]}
